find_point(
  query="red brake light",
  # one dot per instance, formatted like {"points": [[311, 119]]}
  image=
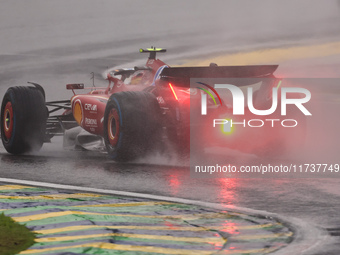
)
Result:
{"points": [[173, 91]]}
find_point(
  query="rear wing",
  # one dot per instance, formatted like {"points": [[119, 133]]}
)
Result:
{"points": [[181, 75], [237, 75]]}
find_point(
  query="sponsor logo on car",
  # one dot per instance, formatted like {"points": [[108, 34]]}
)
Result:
{"points": [[91, 107], [90, 122]]}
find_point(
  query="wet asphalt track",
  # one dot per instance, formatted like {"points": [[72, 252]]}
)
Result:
{"points": [[53, 50]]}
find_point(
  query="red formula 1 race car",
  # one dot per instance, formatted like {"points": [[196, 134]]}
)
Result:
{"points": [[139, 110]]}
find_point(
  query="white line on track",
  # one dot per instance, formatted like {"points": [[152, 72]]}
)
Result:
{"points": [[306, 237]]}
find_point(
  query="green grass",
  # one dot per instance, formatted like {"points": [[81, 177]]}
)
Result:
{"points": [[14, 237]]}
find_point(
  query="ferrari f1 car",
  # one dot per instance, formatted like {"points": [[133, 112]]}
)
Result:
{"points": [[139, 110]]}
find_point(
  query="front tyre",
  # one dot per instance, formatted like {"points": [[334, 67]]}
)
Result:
{"points": [[23, 120], [132, 126]]}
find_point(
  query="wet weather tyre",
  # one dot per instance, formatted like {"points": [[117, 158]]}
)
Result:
{"points": [[23, 120], [132, 126]]}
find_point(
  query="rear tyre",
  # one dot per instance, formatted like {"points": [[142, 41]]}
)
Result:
{"points": [[23, 120], [132, 125]]}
